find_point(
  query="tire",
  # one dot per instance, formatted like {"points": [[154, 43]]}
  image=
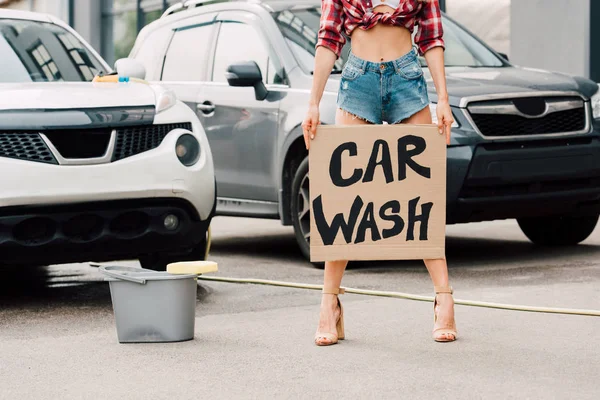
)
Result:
{"points": [[564, 230], [159, 262], [300, 208]]}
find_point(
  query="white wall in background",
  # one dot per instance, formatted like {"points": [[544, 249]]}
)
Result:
{"points": [[552, 35]]}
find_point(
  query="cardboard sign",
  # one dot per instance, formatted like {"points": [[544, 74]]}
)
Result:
{"points": [[377, 192]]}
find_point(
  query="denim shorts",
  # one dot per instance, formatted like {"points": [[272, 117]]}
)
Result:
{"points": [[388, 91]]}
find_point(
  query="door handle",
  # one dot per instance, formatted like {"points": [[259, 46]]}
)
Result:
{"points": [[206, 107]]}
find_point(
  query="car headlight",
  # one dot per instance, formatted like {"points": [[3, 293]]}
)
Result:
{"points": [[165, 99], [433, 109], [596, 104], [187, 149]]}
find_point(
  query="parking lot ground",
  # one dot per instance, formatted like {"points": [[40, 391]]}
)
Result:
{"points": [[58, 339]]}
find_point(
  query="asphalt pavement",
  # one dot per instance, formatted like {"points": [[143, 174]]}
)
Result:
{"points": [[58, 338]]}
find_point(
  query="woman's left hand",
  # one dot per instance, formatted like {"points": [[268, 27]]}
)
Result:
{"points": [[445, 119]]}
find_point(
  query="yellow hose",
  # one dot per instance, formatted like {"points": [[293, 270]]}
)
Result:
{"points": [[397, 295], [407, 296]]}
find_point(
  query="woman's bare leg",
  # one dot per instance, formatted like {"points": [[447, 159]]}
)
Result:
{"points": [[438, 269], [334, 270]]}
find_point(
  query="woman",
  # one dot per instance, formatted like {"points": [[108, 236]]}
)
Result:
{"points": [[382, 81]]}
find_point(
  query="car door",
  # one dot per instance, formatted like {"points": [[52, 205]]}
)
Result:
{"points": [[186, 60], [241, 129]]}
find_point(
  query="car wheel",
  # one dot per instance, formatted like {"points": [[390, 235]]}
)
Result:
{"points": [[159, 262], [558, 230], [301, 209]]}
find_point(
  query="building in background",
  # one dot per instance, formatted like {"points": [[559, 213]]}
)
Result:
{"points": [[556, 35]]}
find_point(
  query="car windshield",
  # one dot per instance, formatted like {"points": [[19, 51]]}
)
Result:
{"points": [[33, 51], [301, 26]]}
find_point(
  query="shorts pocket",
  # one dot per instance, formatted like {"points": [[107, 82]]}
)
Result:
{"points": [[411, 70], [350, 72]]}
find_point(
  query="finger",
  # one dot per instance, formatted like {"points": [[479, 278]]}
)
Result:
{"points": [[448, 129], [306, 141], [305, 135], [441, 127], [313, 129]]}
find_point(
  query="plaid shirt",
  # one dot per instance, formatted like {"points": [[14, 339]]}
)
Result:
{"points": [[343, 16]]}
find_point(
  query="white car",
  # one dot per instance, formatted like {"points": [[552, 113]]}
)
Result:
{"points": [[94, 171]]}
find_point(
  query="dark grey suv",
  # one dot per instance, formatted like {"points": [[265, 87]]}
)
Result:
{"points": [[526, 144]]}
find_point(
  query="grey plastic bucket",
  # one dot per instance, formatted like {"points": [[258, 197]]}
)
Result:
{"points": [[151, 306]]}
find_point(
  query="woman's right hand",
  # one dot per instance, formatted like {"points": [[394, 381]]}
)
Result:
{"points": [[309, 126]]}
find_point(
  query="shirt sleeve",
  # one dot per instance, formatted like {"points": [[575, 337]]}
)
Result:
{"points": [[430, 32], [330, 29]]}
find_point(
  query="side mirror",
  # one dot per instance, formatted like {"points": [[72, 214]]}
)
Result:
{"points": [[503, 55], [245, 74], [131, 68]]}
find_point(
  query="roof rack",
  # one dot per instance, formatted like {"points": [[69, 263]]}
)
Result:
{"points": [[186, 5], [173, 9]]}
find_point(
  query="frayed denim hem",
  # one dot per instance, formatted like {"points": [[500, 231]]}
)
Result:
{"points": [[354, 116]]}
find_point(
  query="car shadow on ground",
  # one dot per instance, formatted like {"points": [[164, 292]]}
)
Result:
{"points": [[41, 287], [52, 287]]}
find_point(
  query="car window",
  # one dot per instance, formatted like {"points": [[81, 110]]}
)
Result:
{"points": [[241, 42], [151, 51], [187, 55], [300, 28], [32, 51], [463, 49]]}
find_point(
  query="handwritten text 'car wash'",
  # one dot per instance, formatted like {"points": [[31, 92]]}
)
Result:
{"points": [[380, 161]]}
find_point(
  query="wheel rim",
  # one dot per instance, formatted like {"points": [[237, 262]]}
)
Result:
{"points": [[303, 208]]}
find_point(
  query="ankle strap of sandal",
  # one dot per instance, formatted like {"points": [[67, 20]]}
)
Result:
{"points": [[443, 289], [334, 291]]}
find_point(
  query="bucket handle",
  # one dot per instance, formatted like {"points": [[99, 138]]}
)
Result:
{"points": [[108, 270]]}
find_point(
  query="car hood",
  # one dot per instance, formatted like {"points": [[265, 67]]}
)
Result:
{"points": [[466, 82], [54, 105], [22, 96]]}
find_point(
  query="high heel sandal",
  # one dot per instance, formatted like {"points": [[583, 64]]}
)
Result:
{"points": [[332, 338], [443, 334]]}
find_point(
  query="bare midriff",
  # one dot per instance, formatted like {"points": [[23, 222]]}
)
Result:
{"points": [[382, 42]]}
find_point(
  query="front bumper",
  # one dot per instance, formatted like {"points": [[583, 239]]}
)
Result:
{"points": [[97, 231], [524, 179]]}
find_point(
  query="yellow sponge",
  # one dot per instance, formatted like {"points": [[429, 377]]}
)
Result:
{"points": [[192, 267]]}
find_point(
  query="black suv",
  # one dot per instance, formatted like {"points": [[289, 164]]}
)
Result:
{"points": [[526, 143]]}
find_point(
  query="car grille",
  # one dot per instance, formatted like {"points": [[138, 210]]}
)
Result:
{"points": [[138, 139], [80, 143], [499, 124], [84, 143], [27, 146]]}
